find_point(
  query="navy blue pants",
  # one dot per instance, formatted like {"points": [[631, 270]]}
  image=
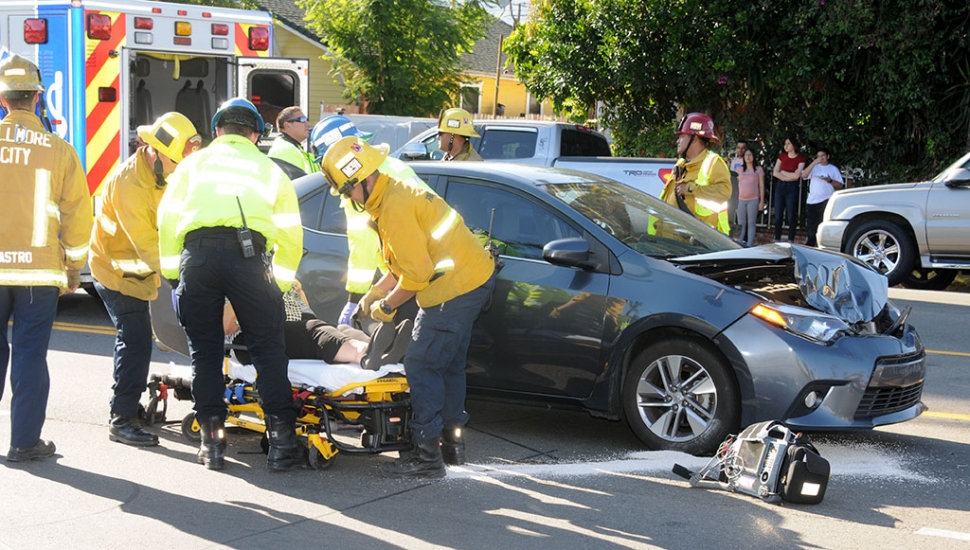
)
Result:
{"points": [[213, 269], [435, 362], [786, 202], [133, 348], [33, 310]]}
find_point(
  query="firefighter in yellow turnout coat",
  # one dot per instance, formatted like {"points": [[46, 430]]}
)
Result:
{"points": [[431, 254], [45, 221], [701, 182], [125, 262]]}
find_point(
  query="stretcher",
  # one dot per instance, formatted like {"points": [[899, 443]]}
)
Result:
{"points": [[327, 396]]}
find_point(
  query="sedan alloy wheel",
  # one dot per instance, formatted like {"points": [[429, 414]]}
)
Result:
{"points": [[679, 395]]}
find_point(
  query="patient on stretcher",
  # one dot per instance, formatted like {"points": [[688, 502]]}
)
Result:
{"points": [[308, 337]]}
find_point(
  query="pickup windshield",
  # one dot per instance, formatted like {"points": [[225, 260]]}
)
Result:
{"points": [[642, 222]]}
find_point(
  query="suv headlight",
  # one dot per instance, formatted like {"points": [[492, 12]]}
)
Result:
{"points": [[806, 323]]}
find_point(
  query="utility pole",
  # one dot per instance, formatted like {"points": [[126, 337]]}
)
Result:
{"points": [[498, 74]]}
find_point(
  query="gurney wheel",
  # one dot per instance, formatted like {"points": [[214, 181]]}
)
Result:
{"points": [[317, 461], [190, 429]]}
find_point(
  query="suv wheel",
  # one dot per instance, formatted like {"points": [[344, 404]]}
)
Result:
{"points": [[930, 279], [680, 395], [885, 246]]}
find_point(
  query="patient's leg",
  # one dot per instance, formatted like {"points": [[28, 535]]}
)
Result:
{"points": [[351, 351]]}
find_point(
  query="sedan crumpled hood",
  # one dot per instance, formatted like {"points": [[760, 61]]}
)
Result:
{"points": [[830, 282]]}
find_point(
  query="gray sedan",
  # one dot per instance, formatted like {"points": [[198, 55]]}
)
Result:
{"points": [[613, 302]]}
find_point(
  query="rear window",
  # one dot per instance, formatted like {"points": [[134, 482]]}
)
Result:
{"points": [[579, 143], [500, 143]]}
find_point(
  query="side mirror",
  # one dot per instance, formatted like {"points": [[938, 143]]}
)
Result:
{"points": [[959, 178], [571, 252], [414, 151]]}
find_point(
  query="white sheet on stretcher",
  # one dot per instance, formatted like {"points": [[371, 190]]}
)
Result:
{"points": [[319, 374]]}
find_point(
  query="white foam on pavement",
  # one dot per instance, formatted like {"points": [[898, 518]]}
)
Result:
{"points": [[863, 461]]}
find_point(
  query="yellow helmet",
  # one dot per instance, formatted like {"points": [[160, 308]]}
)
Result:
{"points": [[457, 121], [18, 74], [172, 135], [349, 161]]}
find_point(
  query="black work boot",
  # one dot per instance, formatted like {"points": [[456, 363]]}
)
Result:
{"points": [[423, 462], [212, 453], [453, 446], [125, 430], [43, 449], [285, 450]]}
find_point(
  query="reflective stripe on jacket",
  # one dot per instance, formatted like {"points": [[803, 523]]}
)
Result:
{"points": [[425, 242], [365, 253], [708, 189], [202, 192], [45, 208], [124, 242], [288, 150]]}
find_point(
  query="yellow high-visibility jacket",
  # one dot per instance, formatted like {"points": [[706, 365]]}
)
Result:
{"points": [[124, 242], [287, 149], [45, 208], [425, 242], [365, 250], [708, 189], [202, 192]]}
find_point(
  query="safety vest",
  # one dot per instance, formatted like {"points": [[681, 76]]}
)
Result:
{"points": [[124, 242], [45, 209], [216, 187], [287, 149], [706, 208], [365, 251]]}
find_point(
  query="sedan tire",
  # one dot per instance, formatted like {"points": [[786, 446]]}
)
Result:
{"points": [[885, 246], [680, 395]]}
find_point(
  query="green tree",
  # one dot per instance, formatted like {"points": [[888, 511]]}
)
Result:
{"points": [[884, 83], [403, 56]]}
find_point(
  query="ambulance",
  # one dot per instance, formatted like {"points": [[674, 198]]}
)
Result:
{"points": [[109, 66]]}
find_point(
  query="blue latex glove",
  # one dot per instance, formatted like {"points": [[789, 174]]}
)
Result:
{"points": [[345, 315]]}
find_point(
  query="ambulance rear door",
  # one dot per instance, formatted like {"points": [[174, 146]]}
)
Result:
{"points": [[273, 84]]}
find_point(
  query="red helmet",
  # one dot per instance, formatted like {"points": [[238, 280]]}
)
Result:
{"points": [[698, 124]]}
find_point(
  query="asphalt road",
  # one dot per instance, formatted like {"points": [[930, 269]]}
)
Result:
{"points": [[537, 478]]}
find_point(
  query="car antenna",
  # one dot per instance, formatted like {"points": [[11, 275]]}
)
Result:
{"points": [[490, 246]]}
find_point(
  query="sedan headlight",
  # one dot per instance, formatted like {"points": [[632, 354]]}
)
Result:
{"points": [[806, 323]]}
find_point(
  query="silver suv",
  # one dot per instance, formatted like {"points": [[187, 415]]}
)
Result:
{"points": [[918, 234]]}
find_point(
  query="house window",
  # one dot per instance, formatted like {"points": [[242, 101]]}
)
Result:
{"points": [[471, 97]]}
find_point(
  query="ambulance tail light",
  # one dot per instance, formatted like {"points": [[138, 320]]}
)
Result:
{"points": [[183, 33], [99, 26], [220, 29], [259, 39], [144, 23], [35, 31]]}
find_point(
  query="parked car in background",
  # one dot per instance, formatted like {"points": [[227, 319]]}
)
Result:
{"points": [[547, 143], [613, 302], [917, 234]]}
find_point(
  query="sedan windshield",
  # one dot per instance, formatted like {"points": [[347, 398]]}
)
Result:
{"points": [[640, 221]]}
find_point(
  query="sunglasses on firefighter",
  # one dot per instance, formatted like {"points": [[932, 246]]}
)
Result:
{"points": [[297, 119]]}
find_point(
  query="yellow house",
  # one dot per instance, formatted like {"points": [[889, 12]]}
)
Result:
{"points": [[484, 68], [478, 94]]}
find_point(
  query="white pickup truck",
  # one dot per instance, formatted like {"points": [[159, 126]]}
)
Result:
{"points": [[549, 143]]}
